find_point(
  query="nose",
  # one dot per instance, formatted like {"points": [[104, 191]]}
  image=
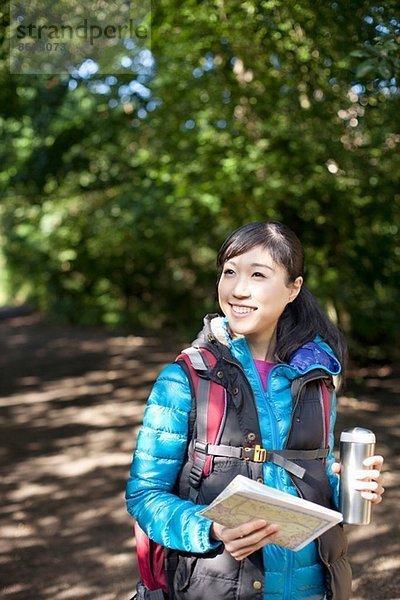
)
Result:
{"points": [[241, 288]]}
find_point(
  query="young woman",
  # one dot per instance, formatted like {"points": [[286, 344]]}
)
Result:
{"points": [[275, 333]]}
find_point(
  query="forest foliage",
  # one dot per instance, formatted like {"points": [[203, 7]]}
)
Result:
{"points": [[117, 190]]}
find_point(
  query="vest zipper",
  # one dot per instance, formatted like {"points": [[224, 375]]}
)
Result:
{"points": [[288, 554], [272, 418], [269, 409]]}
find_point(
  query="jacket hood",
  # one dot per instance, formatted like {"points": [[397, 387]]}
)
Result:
{"points": [[314, 354]]}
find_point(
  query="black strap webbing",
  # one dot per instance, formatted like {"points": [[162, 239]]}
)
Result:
{"points": [[240, 452], [281, 458]]}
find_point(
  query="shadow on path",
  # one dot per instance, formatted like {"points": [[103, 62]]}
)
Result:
{"points": [[69, 400], [375, 548]]}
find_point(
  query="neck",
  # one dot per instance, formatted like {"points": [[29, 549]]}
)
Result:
{"points": [[263, 349]]}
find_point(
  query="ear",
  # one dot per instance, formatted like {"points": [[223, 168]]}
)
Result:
{"points": [[295, 288]]}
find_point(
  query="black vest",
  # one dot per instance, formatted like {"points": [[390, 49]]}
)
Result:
{"points": [[217, 575]]}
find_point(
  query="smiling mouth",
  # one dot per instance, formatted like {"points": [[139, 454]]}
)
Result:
{"points": [[242, 310]]}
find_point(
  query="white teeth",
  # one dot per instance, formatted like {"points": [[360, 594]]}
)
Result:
{"points": [[242, 310]]}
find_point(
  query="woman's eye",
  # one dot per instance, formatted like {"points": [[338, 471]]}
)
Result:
{"points": [[258, 274], [229, 271]]}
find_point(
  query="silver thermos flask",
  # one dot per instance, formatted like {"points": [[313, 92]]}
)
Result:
{"points": [[355, 445]]}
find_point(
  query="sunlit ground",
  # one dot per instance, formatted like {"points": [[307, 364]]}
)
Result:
{"points": [[375, 548], [71, 400]]}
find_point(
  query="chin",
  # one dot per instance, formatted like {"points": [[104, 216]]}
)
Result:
{"points": [[239, 328]]}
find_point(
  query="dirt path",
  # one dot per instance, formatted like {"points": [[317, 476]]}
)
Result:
{"points": [[69, 400]]}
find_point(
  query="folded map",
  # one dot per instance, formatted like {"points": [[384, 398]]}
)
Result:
{"points": [[299, 520]]}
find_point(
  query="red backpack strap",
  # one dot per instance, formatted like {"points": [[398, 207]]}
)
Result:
{"points": [[151, 561], [210, 399]]}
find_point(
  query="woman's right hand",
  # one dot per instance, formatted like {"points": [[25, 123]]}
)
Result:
{"points": [[245, 539]]}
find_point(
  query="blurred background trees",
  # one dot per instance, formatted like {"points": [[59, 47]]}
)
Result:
{"points": [[117, 190]]}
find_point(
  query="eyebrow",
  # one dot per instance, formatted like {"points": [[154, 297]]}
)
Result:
{"points": [[253, 265]]}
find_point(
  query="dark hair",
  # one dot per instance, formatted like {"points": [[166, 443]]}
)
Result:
{"points": [[302, 319]]}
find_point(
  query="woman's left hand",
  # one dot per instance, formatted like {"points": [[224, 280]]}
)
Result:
{"points": [[368, 480]]}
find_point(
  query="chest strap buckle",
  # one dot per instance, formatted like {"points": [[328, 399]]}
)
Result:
{"points": [[256, 454]]}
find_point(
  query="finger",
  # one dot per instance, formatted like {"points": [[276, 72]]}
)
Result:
{"points": [[257, 536], [374, 461], [365, 486], [233, 533], [269, 539], [368, 474], [244, 552], [336, 468], [372, 496], [250, 540]]}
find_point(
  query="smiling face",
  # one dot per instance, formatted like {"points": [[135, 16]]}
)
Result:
{"points": [[253, 291]]}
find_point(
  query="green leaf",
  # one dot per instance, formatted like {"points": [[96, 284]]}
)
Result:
{"points": [[359, 53], [385, 71], [365, 68]]}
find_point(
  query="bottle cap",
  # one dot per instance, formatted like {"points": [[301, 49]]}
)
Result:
{"points": [[358, 434]]}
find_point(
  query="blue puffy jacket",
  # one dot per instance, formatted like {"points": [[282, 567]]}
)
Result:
{"points": [[161, 452]]}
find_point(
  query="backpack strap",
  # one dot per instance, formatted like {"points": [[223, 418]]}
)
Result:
{"points": [[282, 458], [326, 403], [210, 417], [151, 558], [210, 412]]}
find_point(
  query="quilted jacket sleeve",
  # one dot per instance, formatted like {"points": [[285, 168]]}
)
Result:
{"points": [[160, 452], [333, 478]]}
